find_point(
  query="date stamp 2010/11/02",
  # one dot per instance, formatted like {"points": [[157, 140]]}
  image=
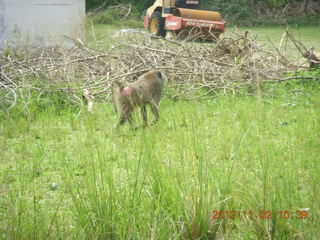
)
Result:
{"points": [[301, 214]]}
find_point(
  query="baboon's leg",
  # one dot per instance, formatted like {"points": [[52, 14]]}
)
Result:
{"points": [[155, 111], [124, 116], [144, 115], [121, 121], [130, 120]]}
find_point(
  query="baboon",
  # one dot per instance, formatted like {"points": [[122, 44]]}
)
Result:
{"points": [[146, 90]]}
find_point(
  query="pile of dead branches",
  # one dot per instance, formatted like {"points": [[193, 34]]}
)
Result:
{"points": [[193, 69]]}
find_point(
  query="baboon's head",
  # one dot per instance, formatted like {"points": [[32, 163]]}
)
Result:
{"points": [[162, 77]]}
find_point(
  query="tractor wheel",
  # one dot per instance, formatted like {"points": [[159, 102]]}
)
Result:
{"points": [[156, 25]]}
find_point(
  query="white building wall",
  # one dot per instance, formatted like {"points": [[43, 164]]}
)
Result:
{"points": [[41, 22]]}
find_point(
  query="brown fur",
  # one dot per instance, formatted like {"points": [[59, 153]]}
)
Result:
{"points": [[146, 90]]}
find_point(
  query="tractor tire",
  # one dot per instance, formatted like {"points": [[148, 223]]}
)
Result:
{"points": [[156, 25]]}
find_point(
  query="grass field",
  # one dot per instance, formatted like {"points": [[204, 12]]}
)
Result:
{"points": [[220, 167]]}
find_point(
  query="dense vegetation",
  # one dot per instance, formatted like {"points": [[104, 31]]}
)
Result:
{"points": [[248, 12]]}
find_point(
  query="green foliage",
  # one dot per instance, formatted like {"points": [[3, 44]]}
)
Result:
{"points": [[109, 16], [29, 102], [115, 17], [140, 5]]}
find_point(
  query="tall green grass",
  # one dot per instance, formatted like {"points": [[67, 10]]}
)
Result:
{"points": [[70, 175]]}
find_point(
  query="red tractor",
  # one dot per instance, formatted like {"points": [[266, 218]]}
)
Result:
{"points": [[182, 19]]}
